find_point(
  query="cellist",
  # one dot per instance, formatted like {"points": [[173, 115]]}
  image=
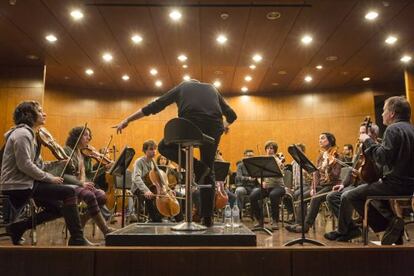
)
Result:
{"points": [[142, 166], [347, 229]]}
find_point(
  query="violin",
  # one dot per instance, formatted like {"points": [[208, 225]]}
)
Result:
{"points": [[48, 141], [99, 157], [369, 170]]}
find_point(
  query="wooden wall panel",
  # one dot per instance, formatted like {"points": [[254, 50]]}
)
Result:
{"points": [[18, 84], [409, 89], [289, 118]]}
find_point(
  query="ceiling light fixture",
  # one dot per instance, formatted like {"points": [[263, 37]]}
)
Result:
{"points": [[89, 72], [107, 57], [391, 40], [217, 83], [76, 14], [175, 15], [182, 58], [252, 66], [158, 83], [244, 89], [366, 78], [306, 39], [257, 58], [308, 78], [136, 39], [248, 78], [185, 66], [319, 67], [221, 39], [371, 15], [153, 71], [406, 59], [186, 78], [51, 38], [125, 77]]}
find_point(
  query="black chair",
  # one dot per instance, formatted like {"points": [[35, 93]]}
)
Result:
{"points": [[187, 136]]}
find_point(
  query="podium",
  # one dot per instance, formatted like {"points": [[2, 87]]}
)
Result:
{"points": [[260, 167], [305, 164], [119, 168]]}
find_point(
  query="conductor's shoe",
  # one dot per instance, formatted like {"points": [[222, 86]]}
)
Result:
{"points": [[332, 236], [393, 232], [207, 221]]}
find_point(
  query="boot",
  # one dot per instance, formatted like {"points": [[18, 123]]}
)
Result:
{"points": [[71, 215], [100, 221], [16, 230]]}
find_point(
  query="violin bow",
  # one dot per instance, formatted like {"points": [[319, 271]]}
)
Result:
{"points": [[73, 150], [100, 161]]}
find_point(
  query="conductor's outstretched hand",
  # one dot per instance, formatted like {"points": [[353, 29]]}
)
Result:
{"points": [[119, 127]]}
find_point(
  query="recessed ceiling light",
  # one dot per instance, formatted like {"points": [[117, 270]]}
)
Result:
{"points": [[331, 58], [308, 78], [371, 15], [391, 40], [158, 83], [306, 39], [51, 38], [252, 66], [175, 15], [185, 66], [107, 57], [247, 78], [89, 72], [257, 58], [67, 78], [221, 39], [136, 39], [186, 78], [76, 14], [282, 72], [153, 71], [319, 67], [217, 83], [125, 77], [224, 16], [218, 72], [32, 57], [406, 59], [275, 83], [366, 78], [244, 89], [273, 15], [182, 58]]}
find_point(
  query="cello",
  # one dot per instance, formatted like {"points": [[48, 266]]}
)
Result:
{"points": [[166, 202]]}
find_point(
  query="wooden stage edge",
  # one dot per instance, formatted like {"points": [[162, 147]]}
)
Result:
{"points": [[385, 260]]}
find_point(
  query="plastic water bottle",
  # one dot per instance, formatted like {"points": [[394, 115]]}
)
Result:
{"points": [[235, 216], [227, 216]]}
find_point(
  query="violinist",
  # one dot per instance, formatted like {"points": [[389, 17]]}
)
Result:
{"points": [[327, 176], [142, 167], [340, 207], [83, 175], [273, 187], [395, 155], [23, 176]]}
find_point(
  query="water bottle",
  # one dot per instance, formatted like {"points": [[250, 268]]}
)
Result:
{"points": [[227, 216], [411, 216], [235, 216]]}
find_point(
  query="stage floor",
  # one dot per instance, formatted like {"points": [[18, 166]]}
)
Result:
{"points": [[53, 234]]}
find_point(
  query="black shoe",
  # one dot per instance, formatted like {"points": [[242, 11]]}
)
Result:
{"points": [[393, 232], [332, 236], [207, 221], [354, 233], [297, 228], [16, 231]]}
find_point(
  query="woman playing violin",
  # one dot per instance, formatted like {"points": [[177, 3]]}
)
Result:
{"points": [[86, 190], [327, 176]]}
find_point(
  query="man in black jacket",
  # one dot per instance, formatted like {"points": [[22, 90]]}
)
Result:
{"points": [[203, 105]]}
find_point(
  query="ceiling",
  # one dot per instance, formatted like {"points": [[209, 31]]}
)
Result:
{"points": [[338, 28]]}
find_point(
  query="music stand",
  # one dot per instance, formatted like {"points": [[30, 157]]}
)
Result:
{"points": [[305, 164], [120, 168], [221, 170], [260, 167]]}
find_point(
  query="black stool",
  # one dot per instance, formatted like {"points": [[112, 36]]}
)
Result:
{"points": [[187, 136]]}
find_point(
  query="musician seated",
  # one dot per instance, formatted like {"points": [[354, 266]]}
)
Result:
{"points": [[395, 155], [244, 183], [83, 173], [327, 176], [140, 182], [23, 177], [273, 187], [348, 153], [340, 207]]}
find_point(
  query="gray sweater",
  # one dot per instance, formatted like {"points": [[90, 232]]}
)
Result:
{"points": [[19, 168], [141, 167]]}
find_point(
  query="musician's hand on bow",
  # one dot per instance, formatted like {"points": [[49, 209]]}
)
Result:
{"points": [[338, 188]]}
